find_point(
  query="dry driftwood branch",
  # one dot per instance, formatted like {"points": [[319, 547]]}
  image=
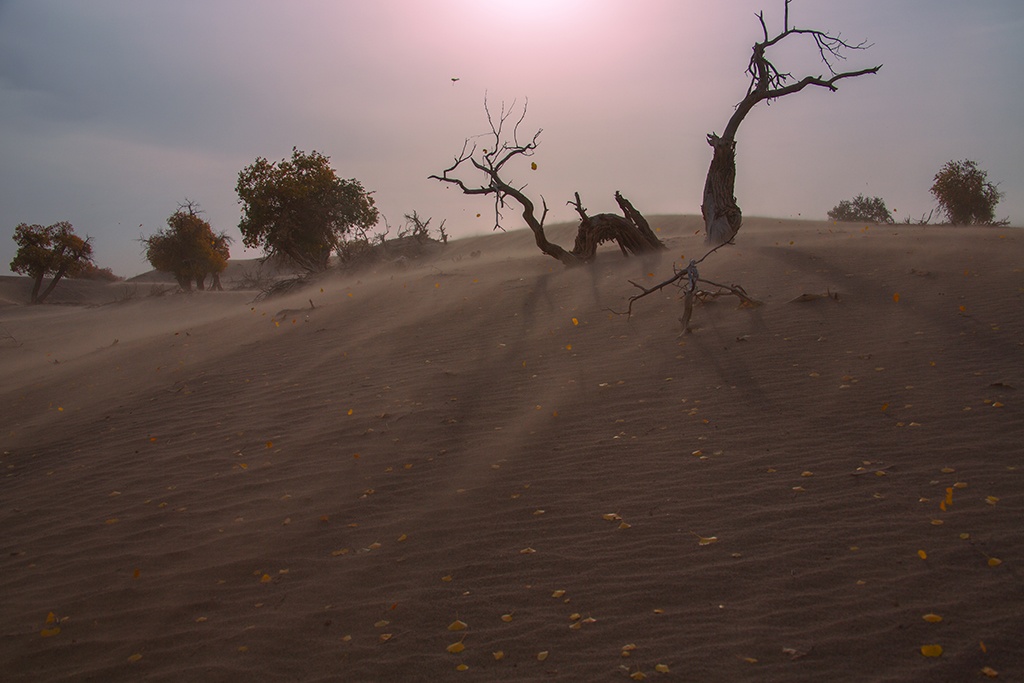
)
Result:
{"points": [[631, 233]]}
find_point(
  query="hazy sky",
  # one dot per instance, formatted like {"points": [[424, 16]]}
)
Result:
{"points": [[114, 111]]}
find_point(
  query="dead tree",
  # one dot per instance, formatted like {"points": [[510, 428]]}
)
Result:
{"points": [[631, 231], [722, 216]]}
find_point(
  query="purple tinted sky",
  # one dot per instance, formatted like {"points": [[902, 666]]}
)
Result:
{"points": [[114, 111]]}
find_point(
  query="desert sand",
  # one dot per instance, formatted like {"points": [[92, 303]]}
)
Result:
{"points": [[471, 468]]}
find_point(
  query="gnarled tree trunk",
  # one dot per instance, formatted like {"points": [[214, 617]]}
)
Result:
{"points": [[722, 216], [632, 232]]}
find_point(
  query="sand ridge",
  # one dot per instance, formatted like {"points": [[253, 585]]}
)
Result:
{"points": [[225, 492]]}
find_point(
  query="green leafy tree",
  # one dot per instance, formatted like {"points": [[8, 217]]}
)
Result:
{"points": [[965, 194], [188, 248], [54, 250], [300, 209], [861, 209]]}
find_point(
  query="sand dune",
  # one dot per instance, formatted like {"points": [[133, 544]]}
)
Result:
{"points": [[203, 488]]}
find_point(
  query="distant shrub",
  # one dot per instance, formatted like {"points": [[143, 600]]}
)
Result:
{"points": [[965, 194], [90, 271], [861, 209]]}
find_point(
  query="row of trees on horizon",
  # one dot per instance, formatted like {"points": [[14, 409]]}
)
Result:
{"points": [[299, 211]]}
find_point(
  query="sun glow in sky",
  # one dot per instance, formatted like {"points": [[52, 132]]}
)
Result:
{"points": [[113, 111]]}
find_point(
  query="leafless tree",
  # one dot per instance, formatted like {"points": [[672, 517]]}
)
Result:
{"points": [[631, 231], [722, 216]]}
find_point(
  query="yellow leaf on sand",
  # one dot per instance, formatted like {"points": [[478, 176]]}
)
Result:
{"points": [[706, 540], [637, 675], [265, 578], [462, 667], [990, 672], [51, 618], [558, 593], [506, 618], [382, 623], [48, 632], [458, 625], [994, 562], [527, 551], [991, 500], [611, 517], [456, 648], [932, 618], [134, 658], [931, 650], [447, 579], [661, 668], [575, 321], [922, 554], [624, 525], [499, 655], [896, 297], [541, 656]]}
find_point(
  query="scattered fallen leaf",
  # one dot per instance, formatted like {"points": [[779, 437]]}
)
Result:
{"points": [[541, 656], [456, 648], [201, 620], [558, 593], [922, 554], [991, 500], [506, 618], [265, 578], [637, 675], [49, 632], [382, 623], [499, 655], [931, 650], [661, 668], [611, 517], [527, 551], [447, 579], [994, 562], [990, 672], [705, 540], [134, 658], [458, 625]]}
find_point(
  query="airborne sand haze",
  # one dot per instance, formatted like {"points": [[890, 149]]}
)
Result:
{"points": [[217, 496]]}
